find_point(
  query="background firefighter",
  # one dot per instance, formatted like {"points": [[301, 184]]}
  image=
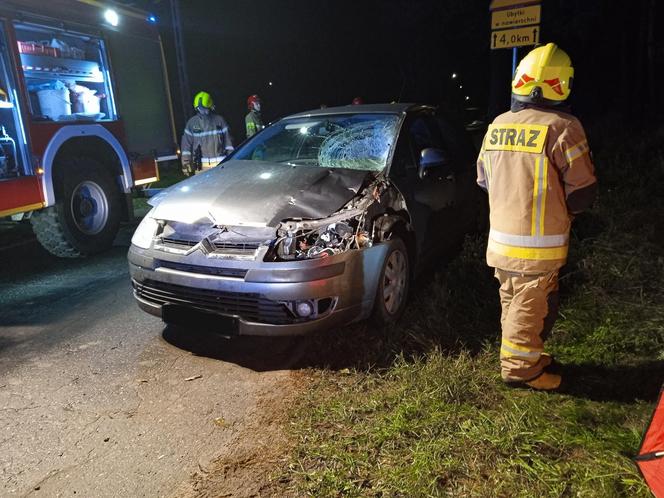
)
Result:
{"points": [[206, 139], [536, 166], [253, 120]]}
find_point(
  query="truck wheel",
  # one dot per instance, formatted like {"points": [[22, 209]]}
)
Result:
{"points": [[86, 215], [393, 285]]}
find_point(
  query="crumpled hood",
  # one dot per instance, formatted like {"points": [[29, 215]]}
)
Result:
{"points": [[257, 193]]}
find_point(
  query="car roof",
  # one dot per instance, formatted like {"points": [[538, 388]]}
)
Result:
{"points": [[364, 108]]}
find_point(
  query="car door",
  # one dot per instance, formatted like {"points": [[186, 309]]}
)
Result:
{"points": [[463, 156], [431, 198]]}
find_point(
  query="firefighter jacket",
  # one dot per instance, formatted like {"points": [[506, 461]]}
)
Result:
{"points": [[253, 123], [536, 166], [210, 133]]}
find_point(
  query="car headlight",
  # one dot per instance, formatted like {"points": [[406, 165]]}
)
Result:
{"points": [[145, 232]]}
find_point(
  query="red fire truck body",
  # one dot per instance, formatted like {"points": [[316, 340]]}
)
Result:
{"points": [[85, 116]]}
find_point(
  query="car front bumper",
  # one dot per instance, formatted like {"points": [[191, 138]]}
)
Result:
{"points": [[260, 295]]}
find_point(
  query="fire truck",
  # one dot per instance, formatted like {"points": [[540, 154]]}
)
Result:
{"points": [[85, 117]]}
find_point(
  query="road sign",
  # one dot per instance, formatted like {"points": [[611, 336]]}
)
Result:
{"points": [[519, 37], [510, 4], [513, 18]]}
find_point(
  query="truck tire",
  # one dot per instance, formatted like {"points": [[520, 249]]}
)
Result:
{"points": [[392, 292], [87, 212]]}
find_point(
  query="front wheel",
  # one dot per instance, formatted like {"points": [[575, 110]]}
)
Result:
{"points": [[393, 285], [86, 217]]}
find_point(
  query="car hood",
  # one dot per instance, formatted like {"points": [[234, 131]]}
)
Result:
{"points": [[258, 193]]}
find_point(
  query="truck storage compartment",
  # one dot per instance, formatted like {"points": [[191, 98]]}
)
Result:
{"points": [[65, 74]]}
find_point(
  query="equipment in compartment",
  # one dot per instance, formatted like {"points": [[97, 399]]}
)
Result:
{"points": [[65, 74], [40, 66], [85, 100], [54, 102], [51, 48], [7, 155], [37, 48]]}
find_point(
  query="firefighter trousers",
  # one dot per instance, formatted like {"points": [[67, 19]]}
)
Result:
{"points": [[529, 310]]}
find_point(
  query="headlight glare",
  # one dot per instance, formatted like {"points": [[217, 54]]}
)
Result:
{"points": [[145, 232]]}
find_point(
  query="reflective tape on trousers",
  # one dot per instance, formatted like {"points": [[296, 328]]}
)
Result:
{"points": [[507, 352], [510, 349], [528, 240], [532, 253]]}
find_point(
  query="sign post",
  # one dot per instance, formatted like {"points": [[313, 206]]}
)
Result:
{"points": [[514, 23]]}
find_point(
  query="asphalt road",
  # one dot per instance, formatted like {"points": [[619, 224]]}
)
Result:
{"points": [[98, 398]]}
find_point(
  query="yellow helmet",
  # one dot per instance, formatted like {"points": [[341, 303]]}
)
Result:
{"points": [[203, 99], [545, 73]]}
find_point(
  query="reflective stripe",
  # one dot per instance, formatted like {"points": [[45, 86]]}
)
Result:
{"points": [[206, 133], [507, 352], [510, 349], [212, 159], [527, 240], [539, 195], [535, 253], [526, 349], [488, 172], [186, 152], [576, 151], [542, 200], [22, 209], [536, 186]]}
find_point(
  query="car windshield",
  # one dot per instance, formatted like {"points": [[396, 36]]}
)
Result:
{"points": [[352, 141]]}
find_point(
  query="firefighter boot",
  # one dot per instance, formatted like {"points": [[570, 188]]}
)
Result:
{"points": [[545, 382]]}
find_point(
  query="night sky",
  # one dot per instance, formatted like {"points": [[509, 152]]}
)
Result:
{"points": [[328, 52]]}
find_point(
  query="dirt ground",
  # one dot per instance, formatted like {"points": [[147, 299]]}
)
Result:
{"points": [[98, 399]]}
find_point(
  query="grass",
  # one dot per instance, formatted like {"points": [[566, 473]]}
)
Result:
{"points": [[419, 410], [169, 174]]}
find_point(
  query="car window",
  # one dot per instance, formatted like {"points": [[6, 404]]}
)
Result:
{"points": [[352, 141], [456, 141], [424, 133]]}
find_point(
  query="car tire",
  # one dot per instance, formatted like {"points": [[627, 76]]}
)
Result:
{"points": [[86, 216], [393, 286]]}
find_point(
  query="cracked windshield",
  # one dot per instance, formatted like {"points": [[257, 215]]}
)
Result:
{"points": [[357, 141]]}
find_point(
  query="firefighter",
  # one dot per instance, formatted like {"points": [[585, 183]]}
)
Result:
{"points": [[253, 120], [206, 139], [536, 166]]}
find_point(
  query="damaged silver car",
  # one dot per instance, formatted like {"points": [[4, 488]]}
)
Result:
{"points": [[322, 219]]}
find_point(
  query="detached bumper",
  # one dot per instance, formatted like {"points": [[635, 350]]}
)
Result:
{"points": [[261, 296]]}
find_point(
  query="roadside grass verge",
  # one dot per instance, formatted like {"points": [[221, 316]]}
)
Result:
{"points": [[419, 409], [169, 174]]}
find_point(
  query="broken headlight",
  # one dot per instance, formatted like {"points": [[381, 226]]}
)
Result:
{"points": [[327, 240]]}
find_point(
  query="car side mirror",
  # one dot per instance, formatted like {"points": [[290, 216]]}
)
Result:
{"points": [[432, 158]]}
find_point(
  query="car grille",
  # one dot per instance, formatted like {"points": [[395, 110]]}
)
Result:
{"points": [[203, 270], [229, 248], [178, 243], [247, 247], [248, 306]]}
